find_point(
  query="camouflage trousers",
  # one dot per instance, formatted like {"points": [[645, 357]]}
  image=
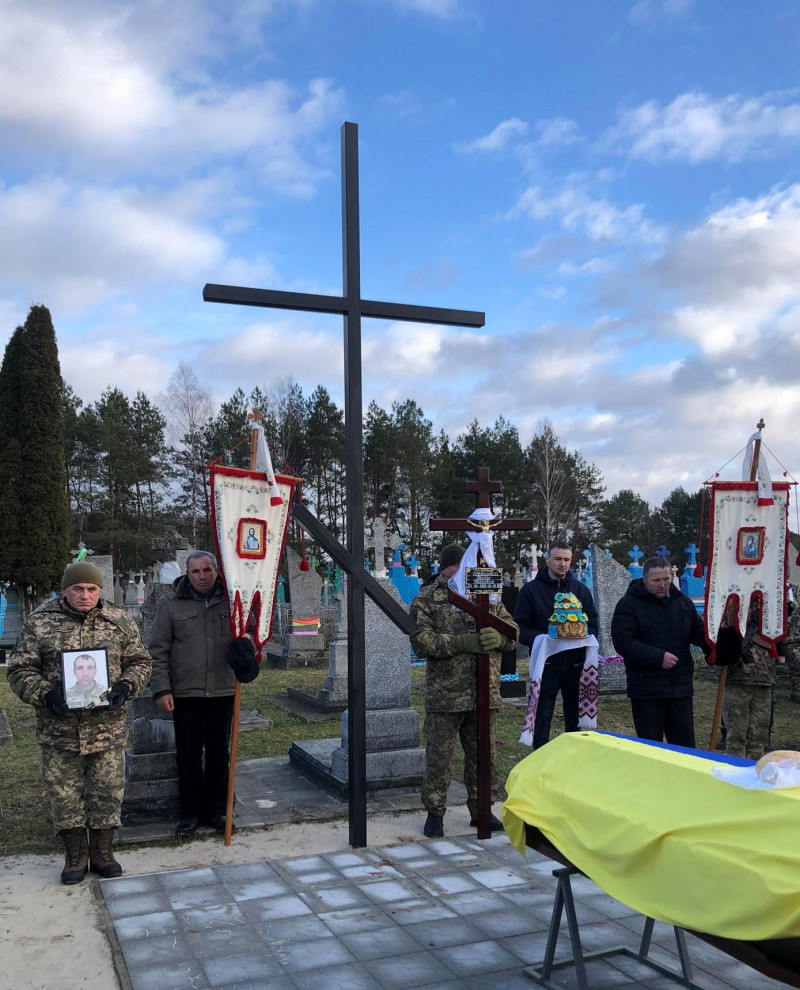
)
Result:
{"points": [[747, 713], [793, 666], [84, 790], [441, 729]]}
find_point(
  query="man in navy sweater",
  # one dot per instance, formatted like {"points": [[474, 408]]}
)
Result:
{"points": [[562, 671]]}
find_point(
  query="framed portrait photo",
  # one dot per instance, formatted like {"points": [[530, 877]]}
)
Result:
{"points": [[85, 676], [251, 539], [750, 545]]}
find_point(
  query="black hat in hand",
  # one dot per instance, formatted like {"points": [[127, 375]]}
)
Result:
{"points": [[729, 646], [241, 656]]}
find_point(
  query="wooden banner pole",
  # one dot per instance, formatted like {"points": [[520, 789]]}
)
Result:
{"points": [[723, 674], [237, 702]]}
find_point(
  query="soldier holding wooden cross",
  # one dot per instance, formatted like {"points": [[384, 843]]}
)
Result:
{"points": [[447, 638]]}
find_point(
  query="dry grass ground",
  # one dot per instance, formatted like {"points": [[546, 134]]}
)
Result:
{"points": [[24, 822]]}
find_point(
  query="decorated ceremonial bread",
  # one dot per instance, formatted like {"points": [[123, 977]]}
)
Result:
{"points": [[568, 620]]}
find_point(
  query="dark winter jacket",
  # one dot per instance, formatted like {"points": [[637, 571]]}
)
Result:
{"points": [[644, 628], [188, 643], [535, 606]]}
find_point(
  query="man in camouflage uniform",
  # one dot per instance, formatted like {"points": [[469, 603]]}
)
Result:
{"points": [[748, 695], [82, 757], [791, 650], [447, 639], [85, 690]]}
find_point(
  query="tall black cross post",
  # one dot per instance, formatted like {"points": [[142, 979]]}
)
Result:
{"points": [[352, 308], [480, 611]]}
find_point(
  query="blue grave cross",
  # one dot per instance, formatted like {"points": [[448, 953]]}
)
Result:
{"points": [[635, 554], [662, 551], [693, 551]]}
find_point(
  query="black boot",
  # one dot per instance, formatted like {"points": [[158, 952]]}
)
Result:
{"points": [[101, 859], [434, 826], [76, 861], [495, 824]]}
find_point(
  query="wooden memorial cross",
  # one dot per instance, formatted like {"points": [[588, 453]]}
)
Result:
{"points": [[484, 618]]}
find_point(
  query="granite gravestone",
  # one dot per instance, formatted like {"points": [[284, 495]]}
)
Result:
{"points": [[333, 696], [610, 581], [305, 593], [104, 562], [394, 756], [151, 770]]}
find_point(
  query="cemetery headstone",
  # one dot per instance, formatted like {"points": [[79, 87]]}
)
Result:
{"points": [[610, 581], [380, 541], [694, 587], [306, 643], [333, 696], [151, 770], [12, 622], [635, 567], [394, 756], [104, 562]]}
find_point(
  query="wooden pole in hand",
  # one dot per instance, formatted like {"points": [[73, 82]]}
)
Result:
{"points": [[723, 674], [237, 700]]}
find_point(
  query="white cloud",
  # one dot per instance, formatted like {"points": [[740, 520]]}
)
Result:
{"points": [[737, 273], [695, 127], [80, 86], [496, 140], [436, 8], [578, 212], [649, 12], [557, 131], [130, 360], [77, 246]]}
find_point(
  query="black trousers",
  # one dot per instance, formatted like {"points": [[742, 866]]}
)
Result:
{"points": [[202, 735], [655, 718], [565, 678]]}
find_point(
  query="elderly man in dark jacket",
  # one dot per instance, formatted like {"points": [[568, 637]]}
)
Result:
{"points": [[193, 679], [654, 628], [562, 672]]}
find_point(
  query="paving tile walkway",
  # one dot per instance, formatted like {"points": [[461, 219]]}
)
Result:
{"points": [[441, 914]]}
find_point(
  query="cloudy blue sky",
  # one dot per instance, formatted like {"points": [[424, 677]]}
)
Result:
{"points": [[617, 184]]}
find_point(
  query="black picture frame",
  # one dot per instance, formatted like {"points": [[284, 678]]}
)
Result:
{"points": [[80, 691]]}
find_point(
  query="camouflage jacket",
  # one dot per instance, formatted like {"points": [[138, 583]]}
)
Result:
{"points": [[450, 675], [35, 668], [791, 645], [755, 668]]}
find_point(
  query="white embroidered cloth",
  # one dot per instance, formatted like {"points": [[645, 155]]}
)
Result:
{"points": [[543, 647]]}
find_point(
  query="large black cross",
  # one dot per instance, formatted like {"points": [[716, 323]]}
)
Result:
{"points": [[351, 559]]}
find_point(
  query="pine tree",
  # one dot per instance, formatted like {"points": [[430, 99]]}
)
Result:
{"points": [[11, 459], [35, 518]]}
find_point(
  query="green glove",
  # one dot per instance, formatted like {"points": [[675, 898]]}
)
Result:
{"points": [[468, 643], [490, 640]]}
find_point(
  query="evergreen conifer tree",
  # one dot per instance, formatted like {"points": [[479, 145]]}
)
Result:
{"points": [[35, 516]]}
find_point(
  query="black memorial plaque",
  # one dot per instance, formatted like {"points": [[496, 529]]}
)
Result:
{"points": [[483, 580]]}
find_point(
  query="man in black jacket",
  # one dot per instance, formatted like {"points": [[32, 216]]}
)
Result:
{"points": [[562, 672], [654, 627]]}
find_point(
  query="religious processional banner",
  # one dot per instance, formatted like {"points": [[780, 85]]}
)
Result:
{"points": [[748, 546], [651, 826], [250, 516]]}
